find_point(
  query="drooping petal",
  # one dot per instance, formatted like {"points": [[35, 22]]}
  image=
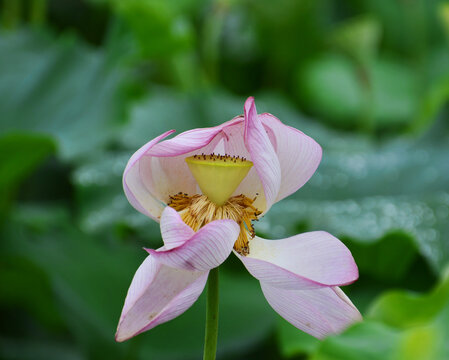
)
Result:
{"points": [[318, 312], [157, 294], [205, 250], [135, 189], [262, 153], [299, 155], [175, 232], [304, 261]]}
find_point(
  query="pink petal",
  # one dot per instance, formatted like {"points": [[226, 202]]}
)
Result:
{"points": [[318, 312], [136, 191], [304, 261], [205, 250], [185, 142], [263, 156], [175, 232], [299, 155], [234, 145], [157, 294]]}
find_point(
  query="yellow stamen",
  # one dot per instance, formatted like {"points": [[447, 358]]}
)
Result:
{"points": [[197, 211], [218, 175]]}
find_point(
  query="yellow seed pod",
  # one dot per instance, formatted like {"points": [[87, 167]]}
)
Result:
{"points": [[218, 175]]}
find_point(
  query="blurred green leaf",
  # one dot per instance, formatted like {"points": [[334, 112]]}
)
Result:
{"points": [[436, 93], [293, 341], [443, 12], [414, 327], [358, 37], [20, 278], [13, 349], [161, 29], [20, 154], [349, 94], [158, 112], [331, 87], [61, 88], [280, 42], [405, 310], [408, 27], [395, 92], [380, 259], [367, 340]]}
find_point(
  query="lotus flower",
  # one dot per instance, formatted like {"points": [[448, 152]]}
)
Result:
{"points": [[206, 187]]}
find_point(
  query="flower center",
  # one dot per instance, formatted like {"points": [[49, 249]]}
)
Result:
{"points": [[218, 175]]}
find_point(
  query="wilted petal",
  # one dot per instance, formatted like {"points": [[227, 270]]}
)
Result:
{"points": [[157, 294], [262, 153], [304, 261], [205, 250], [318, 312], [299, 155]]}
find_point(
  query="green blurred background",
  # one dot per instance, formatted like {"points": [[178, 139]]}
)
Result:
{"points": [[83, 84]]}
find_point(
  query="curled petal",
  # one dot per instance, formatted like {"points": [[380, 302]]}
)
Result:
{"points": [[205, 250], [318, 312], [299, 155], [185, 142], [263, 156], [175, 232], [138, 194], [157, 294], [304, 261]]}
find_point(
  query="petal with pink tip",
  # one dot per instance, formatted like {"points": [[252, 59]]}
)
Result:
{"points": [[205, 250], [175, 232], [318, 312], [299, 155], [157, 294], [303, 261], [263, 156]]}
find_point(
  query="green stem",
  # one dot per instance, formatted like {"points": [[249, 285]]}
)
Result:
{"points": [[210, 341]]}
